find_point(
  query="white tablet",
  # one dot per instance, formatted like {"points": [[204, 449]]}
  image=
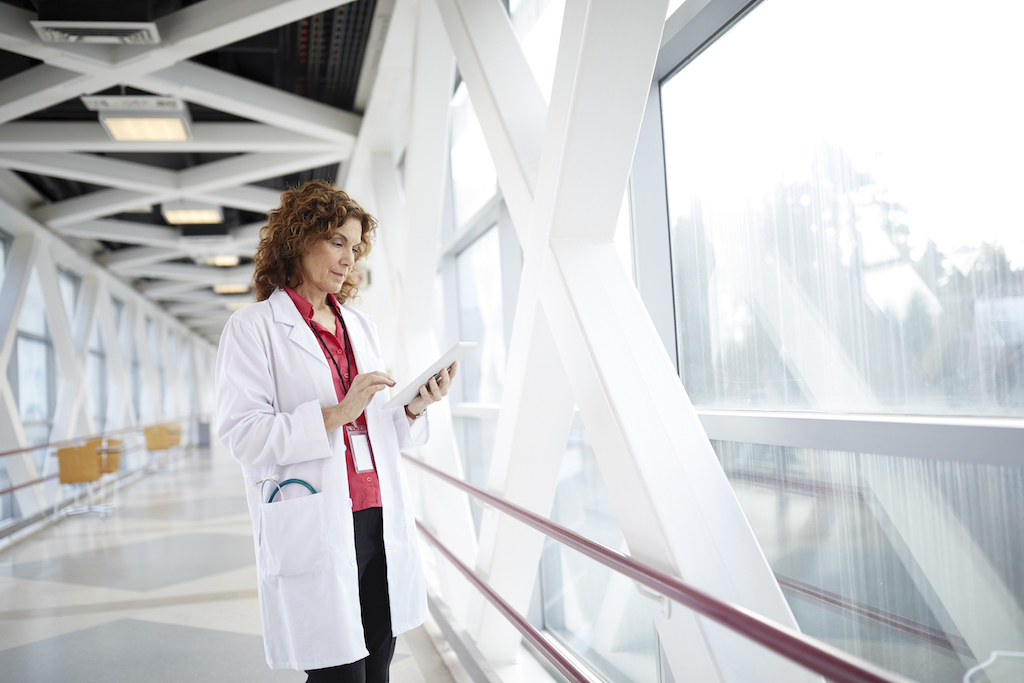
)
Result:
{"points": [[412, 390]]}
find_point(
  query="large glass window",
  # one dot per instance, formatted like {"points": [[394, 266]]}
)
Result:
{"points": [[846, 233], [474, 178], [538, 25], [33, 368], [96, 378], [69, 284], [478, 269]]}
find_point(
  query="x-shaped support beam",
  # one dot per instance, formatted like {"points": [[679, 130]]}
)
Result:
{"points": [[72, 70], [582, 334]]}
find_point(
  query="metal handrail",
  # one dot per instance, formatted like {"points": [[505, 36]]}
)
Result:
{"points": [[78, 439], [529, 631], [822, 658]]}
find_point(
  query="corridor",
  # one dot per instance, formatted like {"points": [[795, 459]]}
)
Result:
{"points": [[161, 589]]}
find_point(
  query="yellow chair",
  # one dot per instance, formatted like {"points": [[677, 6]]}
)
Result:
{"points": [[78, 464], [111, 456]]}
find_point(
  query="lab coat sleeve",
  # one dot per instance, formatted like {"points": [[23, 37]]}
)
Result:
{"points": [[411, 436], [250, 426]]}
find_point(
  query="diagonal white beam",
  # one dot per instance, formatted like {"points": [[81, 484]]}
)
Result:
{"points": [[125, 231], [90, 168], [226, 92], [247, 197], [182, 272], [212, 182], [89, 136], [135, 257], [193, 30], [505, 95]]}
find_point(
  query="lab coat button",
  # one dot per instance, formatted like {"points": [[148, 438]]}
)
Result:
{"points": [[352, 562]]}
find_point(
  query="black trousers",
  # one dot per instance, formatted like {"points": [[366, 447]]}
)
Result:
{"points": [[373, 603]]}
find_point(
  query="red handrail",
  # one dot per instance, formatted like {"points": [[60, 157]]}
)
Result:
{"points": [[529, 631], [822, 658]]}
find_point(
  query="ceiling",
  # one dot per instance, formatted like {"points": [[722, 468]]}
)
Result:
{"points": [[274, 88]]}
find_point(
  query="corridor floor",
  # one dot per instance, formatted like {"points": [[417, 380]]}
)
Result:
{"points": [[161, 590]]}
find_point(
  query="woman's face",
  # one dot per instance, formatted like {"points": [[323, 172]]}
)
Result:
{"points": [[328, 262]]}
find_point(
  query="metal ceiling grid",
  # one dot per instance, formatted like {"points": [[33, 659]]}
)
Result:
{"points": [[271, 89]]}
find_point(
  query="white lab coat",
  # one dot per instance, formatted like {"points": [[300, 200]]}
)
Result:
{"points": [[272, 381]]}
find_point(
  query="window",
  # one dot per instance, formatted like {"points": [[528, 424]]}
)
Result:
{"points": [[478, 269], [842, 194], [845, 238], [69, 284], [96, 378], [538, 24], [474, 178], [33, 370]]}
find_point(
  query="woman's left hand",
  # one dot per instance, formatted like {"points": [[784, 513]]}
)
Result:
{"points": [[433, 391]]}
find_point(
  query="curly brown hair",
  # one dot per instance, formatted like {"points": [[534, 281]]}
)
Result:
{"points": [[307, 213]]}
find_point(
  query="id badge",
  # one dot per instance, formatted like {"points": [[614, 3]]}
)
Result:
{"points": [[359, 443]]}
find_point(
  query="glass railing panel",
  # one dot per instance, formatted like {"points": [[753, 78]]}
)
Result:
{"points": [[596, 612], [908, 563]]}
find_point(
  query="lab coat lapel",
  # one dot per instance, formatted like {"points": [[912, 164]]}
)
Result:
{"points": [[285, 313], [359, 342]]}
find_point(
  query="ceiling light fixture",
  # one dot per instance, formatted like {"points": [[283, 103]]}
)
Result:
{"points": [[191, 213], [146, 118], [234, 306], [231, 288], [222, 260]]}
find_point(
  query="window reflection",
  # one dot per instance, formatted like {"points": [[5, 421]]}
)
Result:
{"points": [[845, 228]]}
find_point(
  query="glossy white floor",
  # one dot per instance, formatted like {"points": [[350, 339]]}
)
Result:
{"points": [[162, 589]]}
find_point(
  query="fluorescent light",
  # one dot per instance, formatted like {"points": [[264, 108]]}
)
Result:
{"points": [[222, 260], [192, 216], [231, 288], [135, 129], [237, 305], [191, 213], [148, 118]]}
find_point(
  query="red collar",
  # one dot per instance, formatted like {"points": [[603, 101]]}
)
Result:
{"points": [[305, 307]]}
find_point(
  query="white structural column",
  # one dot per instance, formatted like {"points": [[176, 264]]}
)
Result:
{"points": [[20, 468], [426, 159], [505, 95]]}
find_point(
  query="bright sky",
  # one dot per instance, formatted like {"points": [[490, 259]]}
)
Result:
{"points": [[927, 98]]}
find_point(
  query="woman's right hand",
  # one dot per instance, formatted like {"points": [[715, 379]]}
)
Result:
{"points": [[359, 395]]}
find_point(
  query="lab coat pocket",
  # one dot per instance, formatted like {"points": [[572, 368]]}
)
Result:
{"points": [[294, 536]]}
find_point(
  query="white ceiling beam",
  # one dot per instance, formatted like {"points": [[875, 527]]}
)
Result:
{"points": [[163, 291], [67, 212], [239, 96], [134, 257], [246, 197], [40, 87], [127, 232], [204, 182], [193, 30], [182, 272], [89, 168], [89, 136], [249, 168]]}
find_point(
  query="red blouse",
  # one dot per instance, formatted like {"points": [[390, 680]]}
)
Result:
{"points": [[363, 487]]}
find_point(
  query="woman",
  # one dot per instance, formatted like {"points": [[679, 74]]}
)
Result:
{"points": [[299, 380]]}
